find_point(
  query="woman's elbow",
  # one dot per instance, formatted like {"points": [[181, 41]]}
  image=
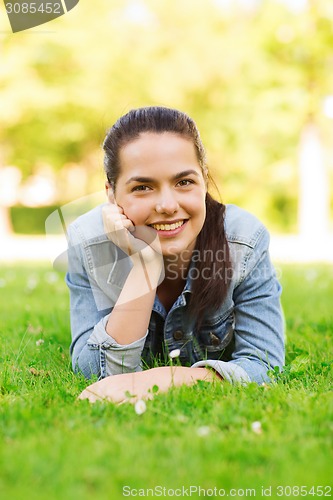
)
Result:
{"points": [[86, 363]]}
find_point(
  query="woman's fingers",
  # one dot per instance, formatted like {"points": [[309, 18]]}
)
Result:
{"points": [[130, 238], [111, 215], [118, 228], [128, 224]]}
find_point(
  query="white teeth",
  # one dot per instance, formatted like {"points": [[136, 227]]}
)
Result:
{"points": [[167, 227]]}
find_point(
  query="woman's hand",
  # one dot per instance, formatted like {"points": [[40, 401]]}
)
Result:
{"points": [[130, 387], [130, 238]]}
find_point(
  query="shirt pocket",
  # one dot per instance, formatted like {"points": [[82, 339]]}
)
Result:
{"points": [[215, 335], [109, 267]]}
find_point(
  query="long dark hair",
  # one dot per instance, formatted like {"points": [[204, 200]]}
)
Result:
{"points": [[208, 290]]}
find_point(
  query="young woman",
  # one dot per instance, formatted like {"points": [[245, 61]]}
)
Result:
{"points": [[163, 268]]}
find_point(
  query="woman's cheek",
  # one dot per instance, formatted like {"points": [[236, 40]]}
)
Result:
{"points": [[136, 213]]}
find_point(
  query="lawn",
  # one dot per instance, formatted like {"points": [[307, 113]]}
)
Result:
{"points": [[196, 442]]}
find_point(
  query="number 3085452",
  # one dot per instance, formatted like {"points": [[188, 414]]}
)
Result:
{"points": [[33, 8]]}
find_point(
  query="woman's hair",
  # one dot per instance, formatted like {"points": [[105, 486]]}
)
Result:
{"points": [[209, 284]]}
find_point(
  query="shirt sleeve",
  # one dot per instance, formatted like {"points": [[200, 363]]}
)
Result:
{"points": [[259, 325], [117, 358], [229, 371]]}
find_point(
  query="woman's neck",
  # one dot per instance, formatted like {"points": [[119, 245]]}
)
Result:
{"points": [[176, 267]]}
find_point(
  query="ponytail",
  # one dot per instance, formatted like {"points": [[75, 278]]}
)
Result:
{"points": [[212, 275]]}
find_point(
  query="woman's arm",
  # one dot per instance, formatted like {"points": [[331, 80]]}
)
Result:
{"points": [[134, 386], [108, 336], [129, 320], [130, 316]]}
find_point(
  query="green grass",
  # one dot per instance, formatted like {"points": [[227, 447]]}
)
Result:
{"points": [[55, 447]]}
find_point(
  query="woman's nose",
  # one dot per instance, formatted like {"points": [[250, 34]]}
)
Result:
{"points": [[167, 203]]}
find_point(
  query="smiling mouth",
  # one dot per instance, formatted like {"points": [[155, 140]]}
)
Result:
{"points": [[168, 227]]}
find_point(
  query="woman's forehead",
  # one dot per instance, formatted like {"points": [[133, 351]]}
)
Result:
{"points": [[152, 148]]}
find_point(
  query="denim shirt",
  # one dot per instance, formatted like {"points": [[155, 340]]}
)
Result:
{"points": [[241, 341]]}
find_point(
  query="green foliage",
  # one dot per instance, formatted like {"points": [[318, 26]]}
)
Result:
{"points": [[30, 220], [55, 446]]}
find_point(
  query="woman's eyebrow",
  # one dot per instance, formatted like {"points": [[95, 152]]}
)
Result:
{"points": [[139, 179], [185, 173], [173, 178]]}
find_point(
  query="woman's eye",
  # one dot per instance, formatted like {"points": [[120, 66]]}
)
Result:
{"points": [[140, 188], [185, 182]]}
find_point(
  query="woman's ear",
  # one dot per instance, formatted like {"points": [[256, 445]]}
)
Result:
{"points": [[109, 192]]}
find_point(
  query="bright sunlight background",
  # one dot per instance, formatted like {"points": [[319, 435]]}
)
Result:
{"points": [[256, 75]]}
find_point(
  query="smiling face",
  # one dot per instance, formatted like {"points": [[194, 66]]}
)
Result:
{"points": [[161, 185]]}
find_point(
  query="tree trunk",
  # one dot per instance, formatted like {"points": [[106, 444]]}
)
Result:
{"points": [[5, 222], [313, 210]]}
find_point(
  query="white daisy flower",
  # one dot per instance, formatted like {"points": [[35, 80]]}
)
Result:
{"points": [[203, 431], [174, 354], [256, 427], [39, 342], [32, 283], [140, 407]]}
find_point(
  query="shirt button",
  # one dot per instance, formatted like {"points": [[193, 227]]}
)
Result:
{"points": [[178, 335]]}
